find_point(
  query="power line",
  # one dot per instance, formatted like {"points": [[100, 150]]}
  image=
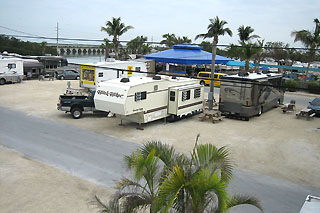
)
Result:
{"points": [[7, 28]]}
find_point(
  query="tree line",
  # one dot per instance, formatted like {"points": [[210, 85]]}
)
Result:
{"points": [[14, 45]]}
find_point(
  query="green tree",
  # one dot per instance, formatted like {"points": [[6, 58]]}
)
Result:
{"points": [[171, 39], [115, 28], [138, 45], [215, 29], [107, 46], [164, 180], [310, 39], [260, 53], [245, 35]]}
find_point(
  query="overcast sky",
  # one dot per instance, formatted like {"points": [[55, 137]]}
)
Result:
{"points": [[272, 20]]}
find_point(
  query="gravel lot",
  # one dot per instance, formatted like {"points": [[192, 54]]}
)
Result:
{"points": [[275, 144]]}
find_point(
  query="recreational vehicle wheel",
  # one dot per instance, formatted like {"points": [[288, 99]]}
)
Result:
{"points": [[76, 113], [2, 81]]}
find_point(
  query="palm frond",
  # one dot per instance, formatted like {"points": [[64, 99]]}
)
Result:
{"points": [[113, 205], [240, 200]]}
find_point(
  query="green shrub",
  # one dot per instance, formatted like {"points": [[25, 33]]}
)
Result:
{"points": [[291, 85], [314, 87]]}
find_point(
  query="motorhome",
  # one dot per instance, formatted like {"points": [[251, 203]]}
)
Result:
{"points": [[248, 94], [11, 70], [92, 74], [145, 99]]}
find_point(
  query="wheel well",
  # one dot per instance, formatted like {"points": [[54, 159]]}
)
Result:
{"points": [[77, 106]]}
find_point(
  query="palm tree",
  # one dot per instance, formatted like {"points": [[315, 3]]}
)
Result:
{"points": [[138, 46], [245, 36], [199, 184], [310, 40], [215, 29], [43, 47], [164, 180], [106, 45], [116, 29], [169, 40]]}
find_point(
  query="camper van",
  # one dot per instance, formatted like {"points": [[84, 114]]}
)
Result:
{"points": [[145, 99], [248, 94], [11, 70], [92, 74]]}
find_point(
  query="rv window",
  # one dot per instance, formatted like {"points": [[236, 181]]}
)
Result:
{"points": [[100, 74], [137, 68], [185, 95], [197, 93], [11, 66], [172, 96], [140, 96]]}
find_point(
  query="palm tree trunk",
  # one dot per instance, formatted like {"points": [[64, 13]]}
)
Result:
{"points": [[247, 65], [307, 72], [115, 47], [211, 93]]}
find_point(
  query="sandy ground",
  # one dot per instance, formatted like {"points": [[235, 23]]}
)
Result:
{"points": [[30, 186], [275, 144]]}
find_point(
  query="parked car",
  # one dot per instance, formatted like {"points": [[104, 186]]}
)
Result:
{"points": [[206, 76], [68, 75], [315, 106]]}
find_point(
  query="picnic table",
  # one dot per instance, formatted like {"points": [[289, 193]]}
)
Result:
{"points": [[289, 107], [306, 113], [213, 115]]}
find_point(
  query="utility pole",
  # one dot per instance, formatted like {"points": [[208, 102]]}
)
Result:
{"points": [[57, 38]]}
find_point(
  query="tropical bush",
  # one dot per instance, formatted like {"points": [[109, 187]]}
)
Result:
{"points": [[166, 181], [314, 87], [291, 85]]}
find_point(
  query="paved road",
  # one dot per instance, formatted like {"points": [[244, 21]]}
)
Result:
{"points": [[99, 158]]}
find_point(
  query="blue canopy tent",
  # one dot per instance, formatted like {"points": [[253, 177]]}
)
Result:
{"points": [[186, 54]]}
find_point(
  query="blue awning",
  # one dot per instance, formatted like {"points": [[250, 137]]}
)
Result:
{"points": [[238, 64], [186, 54]]}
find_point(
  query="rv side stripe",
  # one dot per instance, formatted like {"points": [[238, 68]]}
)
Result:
{"points": [[190, 105], [155, 109]]}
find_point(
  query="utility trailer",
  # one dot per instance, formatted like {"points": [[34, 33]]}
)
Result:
{"points": [[11, 70], [92, 74], [248, 94], [145, 99]]}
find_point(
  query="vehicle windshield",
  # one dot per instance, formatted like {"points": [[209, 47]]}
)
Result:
{"points": [[316, 102]]}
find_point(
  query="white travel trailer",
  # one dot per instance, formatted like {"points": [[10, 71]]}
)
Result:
{"points": [[92, 74], [11, 70], [145, 99], [248, 94]]}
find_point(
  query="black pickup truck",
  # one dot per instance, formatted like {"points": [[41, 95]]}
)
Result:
{"points": [[76, 103]]}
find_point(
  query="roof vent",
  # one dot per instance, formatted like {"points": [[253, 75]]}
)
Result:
{"points": [[243, 74], [157, 77], [125, 80]]}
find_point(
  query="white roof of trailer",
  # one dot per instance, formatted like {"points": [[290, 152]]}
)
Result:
{"points": [[254, 76], [134, 81]]}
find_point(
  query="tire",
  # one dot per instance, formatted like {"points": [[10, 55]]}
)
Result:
{"points": [[202, 83], [62, 78], [76, 113], [77, 78], [260, 111], [2, 81]]}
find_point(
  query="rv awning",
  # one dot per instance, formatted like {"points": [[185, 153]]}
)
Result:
{"points": [[186, 54]]}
